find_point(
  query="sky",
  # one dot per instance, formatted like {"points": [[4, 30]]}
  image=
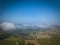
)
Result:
{"points": [[30, 12]]}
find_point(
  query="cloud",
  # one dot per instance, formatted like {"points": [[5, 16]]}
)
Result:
{"points": [[7, 26]]}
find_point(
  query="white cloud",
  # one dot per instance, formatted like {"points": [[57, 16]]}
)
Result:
{"points": [[42, 26], [7, 26]]}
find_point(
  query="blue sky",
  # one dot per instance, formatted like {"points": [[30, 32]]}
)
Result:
{"points": [[32, 12]]}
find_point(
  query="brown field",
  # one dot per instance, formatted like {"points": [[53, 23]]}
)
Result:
{"points": [[32, 42]]}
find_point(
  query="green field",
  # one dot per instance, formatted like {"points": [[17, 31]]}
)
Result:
{"points": [[8, 41]]}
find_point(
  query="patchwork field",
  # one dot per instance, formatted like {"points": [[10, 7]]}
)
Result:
{"points": [[55, 40]]}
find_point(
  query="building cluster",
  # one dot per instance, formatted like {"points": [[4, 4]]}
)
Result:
{"points": [[40, 35]]}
